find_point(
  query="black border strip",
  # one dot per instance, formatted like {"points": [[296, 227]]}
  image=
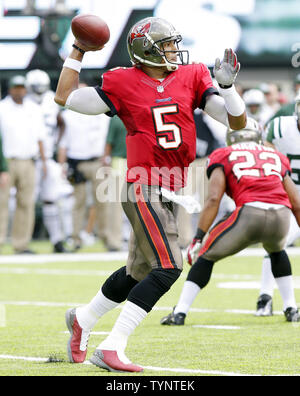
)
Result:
{"points": [[106, 99], [211, 168], [147, 234], [226, 229], [161, 229], [208, 92]]}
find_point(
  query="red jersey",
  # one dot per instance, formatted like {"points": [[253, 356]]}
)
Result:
{"points": [[253, 173], [159, 118]]}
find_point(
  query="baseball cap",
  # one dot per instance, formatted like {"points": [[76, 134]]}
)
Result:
{"points": [[17, 81]]}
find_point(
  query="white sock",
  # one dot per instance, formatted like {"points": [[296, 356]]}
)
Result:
{"points": [[267, 278], [52, 222], [286, 289], [129, 318], [187, 296], [88, 315]]}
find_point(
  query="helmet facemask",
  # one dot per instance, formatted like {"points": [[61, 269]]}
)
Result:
{"points": [[163, 55]]}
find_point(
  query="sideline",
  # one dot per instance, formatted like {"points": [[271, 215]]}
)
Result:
{"points": [[106, 256]]}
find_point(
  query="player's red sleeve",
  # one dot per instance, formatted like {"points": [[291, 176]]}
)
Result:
{"points": [[109, 90], [204, 85], [286, 166], [216, 160]]}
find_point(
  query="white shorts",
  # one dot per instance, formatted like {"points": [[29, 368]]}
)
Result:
{"points": [[54, 186]]}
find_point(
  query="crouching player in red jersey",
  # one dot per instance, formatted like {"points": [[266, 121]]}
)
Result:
{"points": [[155, 99], [257, 178]]}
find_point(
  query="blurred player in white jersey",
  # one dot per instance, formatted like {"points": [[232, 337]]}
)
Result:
{"points": [[283, 133], [53, 190]]}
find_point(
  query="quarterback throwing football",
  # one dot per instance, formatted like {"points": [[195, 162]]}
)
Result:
{"points": [[155, 99]]}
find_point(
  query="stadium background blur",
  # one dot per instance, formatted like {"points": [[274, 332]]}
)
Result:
{"points": [[264, 33]]}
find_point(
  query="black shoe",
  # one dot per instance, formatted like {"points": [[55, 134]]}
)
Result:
{"points": [[264, 306], [292, 315], [173, 319], [59, 248]]}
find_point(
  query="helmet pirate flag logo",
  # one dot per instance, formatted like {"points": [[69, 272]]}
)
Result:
{"points": [[139, 31]]}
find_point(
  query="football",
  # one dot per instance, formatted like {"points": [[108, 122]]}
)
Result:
{"points": [[90, 30]]}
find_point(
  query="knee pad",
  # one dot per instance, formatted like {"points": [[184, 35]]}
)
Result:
{"points": [[281, 265], [153, 287], [200, 272], [118, 285]]}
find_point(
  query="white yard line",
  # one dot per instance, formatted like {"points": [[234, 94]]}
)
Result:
{"points": [[70, 272], [217, 327], [92, 332], [59, 272], [167, 369], [106, 256], [152, 368], [62, 258], [68, 304]]}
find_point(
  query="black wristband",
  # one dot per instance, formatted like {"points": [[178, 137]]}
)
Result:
{"points": [[78, 49], [200, 234], [225, 86]]}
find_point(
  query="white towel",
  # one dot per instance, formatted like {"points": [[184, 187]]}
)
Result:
{"points": [[187, 201]]}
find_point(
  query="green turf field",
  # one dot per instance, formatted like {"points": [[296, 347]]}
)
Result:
{"points": [[35, 296]]}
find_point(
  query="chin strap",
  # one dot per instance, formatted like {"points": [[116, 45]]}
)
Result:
{"points": [[168, 65]]}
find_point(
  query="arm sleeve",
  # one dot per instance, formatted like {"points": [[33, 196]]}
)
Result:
{"points": [[215, 107], [286, 167], [86, 101]]}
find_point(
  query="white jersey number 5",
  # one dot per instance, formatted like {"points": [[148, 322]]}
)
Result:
{"points": [[168, 134]]}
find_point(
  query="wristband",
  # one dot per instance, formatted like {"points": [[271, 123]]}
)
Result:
{"points": [[234, 104], [78, 49], [73, 64], [200, 234]]}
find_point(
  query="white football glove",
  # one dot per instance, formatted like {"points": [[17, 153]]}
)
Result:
{"points": [[226, 71]]}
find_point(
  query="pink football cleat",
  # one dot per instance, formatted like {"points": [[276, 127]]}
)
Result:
{"points": [[77, 344], [110, 361]]}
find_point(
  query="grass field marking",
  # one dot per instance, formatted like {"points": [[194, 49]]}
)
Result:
{"points": [[63, 304], [217, 327], [75, 272], [106, 256], [43, 271], [251, 285], [63, 258], [153, 368], [2, 315], [208, 372], [166, 369], [26, 358], [92, 332]]}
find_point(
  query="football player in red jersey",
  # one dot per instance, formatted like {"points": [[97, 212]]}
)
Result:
{"points": [[258, 179], [155, 99]]}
